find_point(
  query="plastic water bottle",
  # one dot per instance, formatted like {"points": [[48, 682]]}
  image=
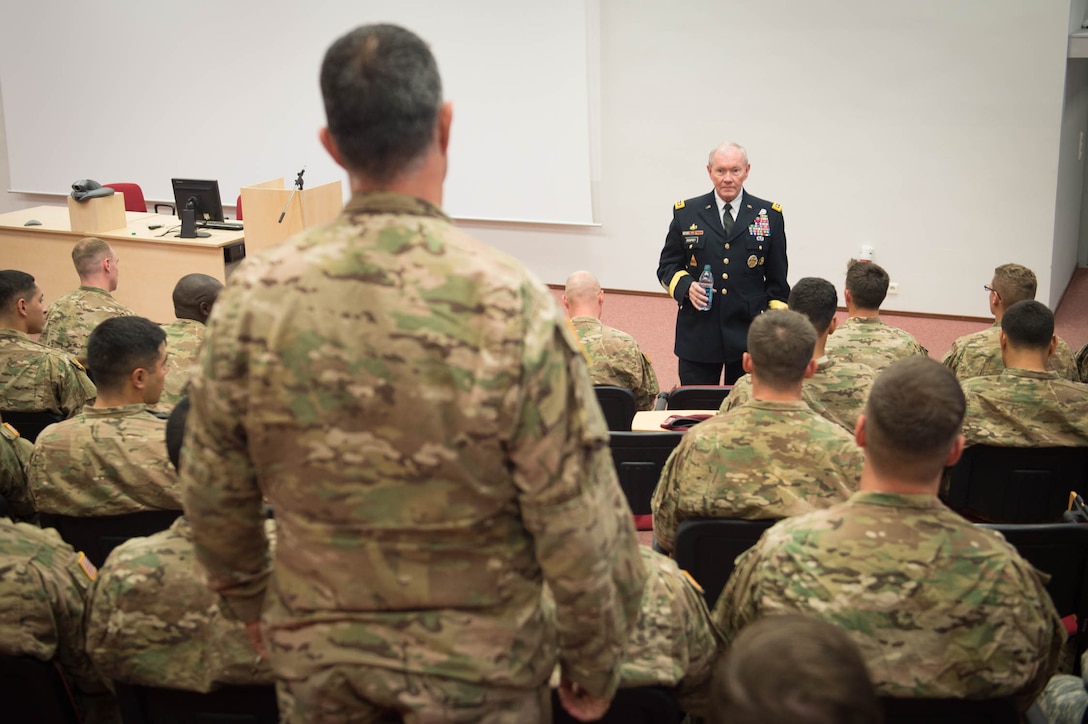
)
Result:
{"points": [[706, 281]]}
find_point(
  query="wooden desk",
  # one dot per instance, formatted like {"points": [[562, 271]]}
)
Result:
{"points": [[150, 264], [650, 420]]}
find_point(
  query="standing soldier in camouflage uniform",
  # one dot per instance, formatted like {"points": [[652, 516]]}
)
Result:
{"points": [[194, 296], [864, 337], [838, 389], [769, 458], [110, 459], [979, 353], [151, 621], [417, 412], [939, 607], [33, 377], [1026, 405], [14, 455], [73, 317], [42, 587], [614, 357]]}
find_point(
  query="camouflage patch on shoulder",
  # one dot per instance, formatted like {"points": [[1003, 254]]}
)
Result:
{"points": [[776, 206], [8, 431], [678, 205]]}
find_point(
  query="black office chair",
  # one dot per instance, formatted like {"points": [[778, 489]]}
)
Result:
{"points": [[707, 548], [697, 397], [637, 705], [233, 704], [950, 711], [1016, 484], [97, 536], [639, 458], [618, 406], [30, 424], [35, 691], [1060, 550]]}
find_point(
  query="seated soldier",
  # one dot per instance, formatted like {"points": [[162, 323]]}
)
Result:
{"points": [[42, 587], [194, 297], [73, 317], [34, 377], [769, 458], [837, 389], [939, 607], [14, 455], [1026, 405], [151, 620], [1082, 363], [787, 669], [864, 337], [614, 357], [979, 353], [110, 459]]}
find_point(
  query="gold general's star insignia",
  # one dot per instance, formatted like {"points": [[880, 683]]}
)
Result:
{"points": [[678, 205], [776, 206]]}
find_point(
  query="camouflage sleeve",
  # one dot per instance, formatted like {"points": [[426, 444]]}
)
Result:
{"points": [[75, 389], [738, 604], [1064, 362], [741, 393], [1038, 607], [665, 499], [953, 357], [219, 484], [14, 456], [571, 502], [646, 392]]}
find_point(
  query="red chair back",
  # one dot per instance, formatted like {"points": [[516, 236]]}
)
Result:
{"points": [[238, 208], [134, 196]]}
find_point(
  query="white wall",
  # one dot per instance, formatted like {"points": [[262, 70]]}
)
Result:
{"points": [[931, 130]]}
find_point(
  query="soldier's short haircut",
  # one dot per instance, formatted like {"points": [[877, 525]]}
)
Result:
{"points": [[15, 285], [816, 299], [791, 668], [382, 96], [121, 345], [175, 431], [88, 253], [192, 289], [1028, 324], [1014, 283], [912, 418], [780, 343], [867, 283], [581, 287], [723, 148]]}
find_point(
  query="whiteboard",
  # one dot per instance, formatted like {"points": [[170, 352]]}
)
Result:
{"points": [[131, 91]]}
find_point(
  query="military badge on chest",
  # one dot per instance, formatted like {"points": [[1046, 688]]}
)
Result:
{"points": [[761, 227], [693, 238]]}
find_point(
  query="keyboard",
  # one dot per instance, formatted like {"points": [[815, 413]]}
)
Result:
{"points": [[222, 225]]}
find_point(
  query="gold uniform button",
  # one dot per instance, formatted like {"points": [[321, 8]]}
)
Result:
{"points": [[726, 261], [725, 291], [725, 276], [727, 247]]}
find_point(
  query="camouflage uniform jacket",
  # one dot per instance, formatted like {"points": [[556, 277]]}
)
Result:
{"points": [[151, 620], [42, 587], [104, 461], [764, 459], [183, 340], [1082, 363], [71, 319], [979, 354], [838, 391], [418, 413], [674, 644], [615, 358], [1023, 408], [14, 456], [873, 342], [36, 378], [939, 607]]}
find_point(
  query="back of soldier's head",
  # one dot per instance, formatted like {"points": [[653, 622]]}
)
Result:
{"points": [[867, 283], [1028, 325], [793, 669], [175, 431], [192, 291], [14, 285], [88, 253], [119, 346], [1014, 283], [780, 343], [582, 289], [912, 419], [382, 96], [816, 299]]}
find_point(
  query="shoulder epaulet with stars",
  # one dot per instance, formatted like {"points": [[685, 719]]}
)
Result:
{"points": [[678, 205], [776, 206]]}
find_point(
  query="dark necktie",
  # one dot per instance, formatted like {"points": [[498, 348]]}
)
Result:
{"points": [[727, 219]]}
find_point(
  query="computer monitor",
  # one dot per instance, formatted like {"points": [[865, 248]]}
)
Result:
{"points": [[200, 196]]}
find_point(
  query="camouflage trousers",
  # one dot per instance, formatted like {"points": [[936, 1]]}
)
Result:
{"points": [[357, 694], [1064, 701]]}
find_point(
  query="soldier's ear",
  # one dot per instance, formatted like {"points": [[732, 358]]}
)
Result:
{"points": [[21, 306], [138, 377], [955, 452], [810, 370], [859, 431], [1053, 345], [746, 362]]}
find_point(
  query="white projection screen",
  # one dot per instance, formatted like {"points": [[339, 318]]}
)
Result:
{"points": [[142, 92]]}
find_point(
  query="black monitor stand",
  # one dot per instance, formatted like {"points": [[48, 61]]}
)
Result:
{"points": [[188, 226]]}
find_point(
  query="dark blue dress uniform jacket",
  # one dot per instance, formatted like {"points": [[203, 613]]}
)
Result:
{"points": [[749, 271]]}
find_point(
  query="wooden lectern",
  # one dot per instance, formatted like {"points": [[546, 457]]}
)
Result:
{"points": [[264, 202], [99, 214]]}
